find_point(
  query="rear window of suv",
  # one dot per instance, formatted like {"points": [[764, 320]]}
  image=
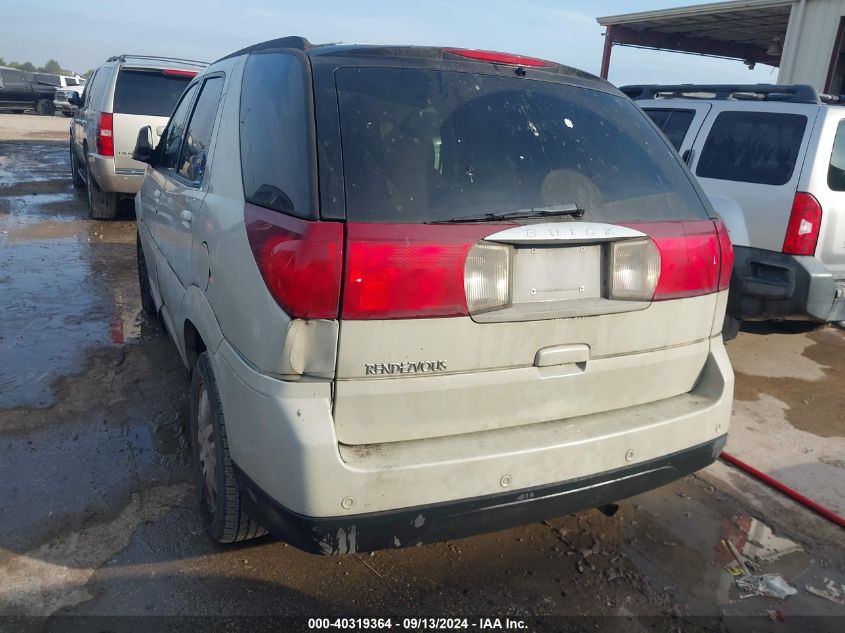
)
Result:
{"points": [[673, 123], [754, 147], [148, 92], [428, 145]]}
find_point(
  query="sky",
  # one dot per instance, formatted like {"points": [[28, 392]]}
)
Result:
{"points": [[81, 34]]}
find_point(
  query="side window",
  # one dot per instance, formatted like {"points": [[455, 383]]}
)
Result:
{"points": [[98, 87], [176, 128], [198, 135], [755, 147], [836, 171], [674, 123], [275, 121], [12, 76], [86, 91]]}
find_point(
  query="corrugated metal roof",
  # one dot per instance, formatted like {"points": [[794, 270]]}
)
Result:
{"points": [[744, 29]]}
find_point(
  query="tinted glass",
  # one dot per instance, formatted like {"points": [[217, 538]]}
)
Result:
{"points": [[198, 137], [148, 92], [12, 76], [674, 123], [836, 171], [50, 80], [98, 88], [428, 145], [71, 81], [175, 130], [755, 147], [275, 139]]}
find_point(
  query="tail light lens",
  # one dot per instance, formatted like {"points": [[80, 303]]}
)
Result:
{"points": [[487, 277], [499, 58], [105, 137], [802, 233], [726, 252], [300, 261], [402, 271], [690, 257], [634, 269]]}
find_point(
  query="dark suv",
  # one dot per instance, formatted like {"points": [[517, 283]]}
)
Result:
{"points": [[20, 90]]}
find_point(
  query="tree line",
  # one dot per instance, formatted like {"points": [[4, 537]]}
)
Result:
{"points": [[52, 67]]}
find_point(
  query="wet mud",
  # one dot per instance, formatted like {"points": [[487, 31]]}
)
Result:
{"points": [[815, 406]]}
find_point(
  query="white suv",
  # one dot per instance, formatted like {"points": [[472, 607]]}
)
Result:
{"points": [[778, 154], [123, 95], [427, 292]]}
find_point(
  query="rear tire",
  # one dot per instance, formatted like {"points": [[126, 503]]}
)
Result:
{"points": [[220, 497], [78, 181], [730, 328], [45, 107], [102, 205], [147, 302]]}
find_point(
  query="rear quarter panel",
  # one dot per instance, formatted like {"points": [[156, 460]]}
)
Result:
{"points": [[830, 249]]}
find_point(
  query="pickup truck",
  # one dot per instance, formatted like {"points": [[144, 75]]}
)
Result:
{"points": [[21, 90]]}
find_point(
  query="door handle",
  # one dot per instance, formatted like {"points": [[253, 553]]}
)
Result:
{"points": [[187, 216]]}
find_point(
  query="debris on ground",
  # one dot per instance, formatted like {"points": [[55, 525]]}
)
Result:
{"points": [[775, 615], [771, 585], [832, 590]]}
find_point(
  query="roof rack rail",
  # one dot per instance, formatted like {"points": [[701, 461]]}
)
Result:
{"points": [[124, 56], [794, 93]]}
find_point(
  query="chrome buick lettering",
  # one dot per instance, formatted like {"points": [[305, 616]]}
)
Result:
{"points": [[556, 232], [419, 367]]}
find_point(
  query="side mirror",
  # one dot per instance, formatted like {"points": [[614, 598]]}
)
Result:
{"points": [[144, 149], [73, 99]]}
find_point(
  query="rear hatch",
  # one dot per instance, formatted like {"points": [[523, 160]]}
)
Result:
{"points": [[517, 250], [143, 96]]}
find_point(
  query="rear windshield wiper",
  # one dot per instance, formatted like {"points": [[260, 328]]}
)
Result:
{"points": [[571, 209]]}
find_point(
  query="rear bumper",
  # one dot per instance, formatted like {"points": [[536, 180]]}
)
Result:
{"points": [[771, 285], [282, 437], [456, 519], [114, 180]]}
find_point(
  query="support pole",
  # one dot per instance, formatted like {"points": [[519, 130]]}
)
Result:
{"points": [[608, 48]]}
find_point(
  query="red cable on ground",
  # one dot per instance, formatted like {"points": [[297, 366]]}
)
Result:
{"points": [[828, 514]]}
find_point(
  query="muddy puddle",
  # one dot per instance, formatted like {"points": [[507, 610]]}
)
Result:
{"points": [[67, 283], [688, 548]]}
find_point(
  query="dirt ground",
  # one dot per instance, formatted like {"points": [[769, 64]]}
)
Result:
{"points": [[99, 513]]}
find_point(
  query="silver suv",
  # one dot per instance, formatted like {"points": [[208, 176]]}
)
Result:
{"points": [[776, 153], [123, 95], [427, 292]]}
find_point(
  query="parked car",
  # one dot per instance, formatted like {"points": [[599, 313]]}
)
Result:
{"points": [[778, 153], [124, 94], [68, 85], [21, 91], [427, 292]]}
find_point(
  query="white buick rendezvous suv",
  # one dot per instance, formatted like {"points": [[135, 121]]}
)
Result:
{"points": [[428, 292]]}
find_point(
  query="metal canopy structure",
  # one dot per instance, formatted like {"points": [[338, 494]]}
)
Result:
{"points": [[752, 31]]}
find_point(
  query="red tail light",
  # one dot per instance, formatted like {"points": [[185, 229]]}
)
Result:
{"points": [[499, 58], [726, 251], [105, 137], [300, 261], [396, 271], [173, 72], [690, 257], [805, 220]]}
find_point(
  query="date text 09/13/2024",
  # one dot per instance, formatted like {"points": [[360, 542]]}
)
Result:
{"points": [[417, 624]]}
